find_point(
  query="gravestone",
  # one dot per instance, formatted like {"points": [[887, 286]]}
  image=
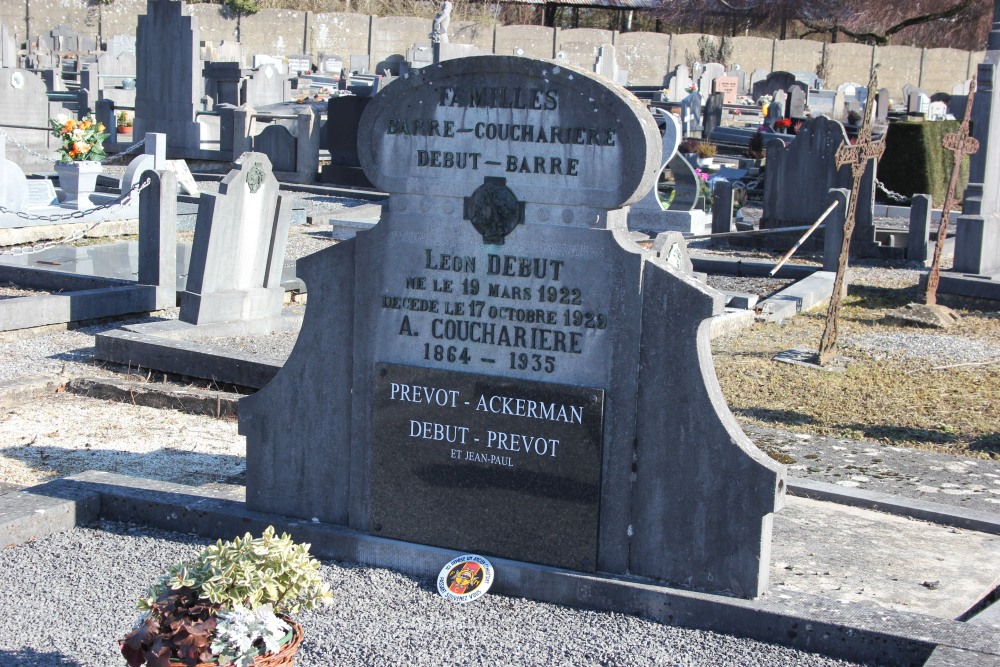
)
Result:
{"points": [[774, 82], [882, 106], [494, 367], [728, 86], [741, 77], [810, 80], [607, 65], [977, 237], [756, 77], [8, 48], [330, 64], [800, 176], [712, 114], [119, 44], [917, 102], [679, 82], [265, 86], [691, 114], [821, 103], [796, 103], [709, 73], [359, 63], [238, 248], [937, 111], [153, 158], [776, 109], [168, 90], [14, 188], [25, 104], [918, 234]]}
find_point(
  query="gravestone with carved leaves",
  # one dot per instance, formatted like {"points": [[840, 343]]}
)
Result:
{"points": [[495, 367]]}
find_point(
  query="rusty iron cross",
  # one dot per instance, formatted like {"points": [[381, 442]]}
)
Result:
{"points": [[960, 144], [857, 156]]}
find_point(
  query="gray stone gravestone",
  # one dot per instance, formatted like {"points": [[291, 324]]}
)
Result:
{"points": [[359, 63], [14, 189], [800, 176], [882, 106], [709, 73], [918, 235], [679, 82], [741, 77], [238, 248], [25, 104], [756, 77], [977, 238], [607, 65], [691, 114], [119, 44], [776, 109], [588, 434], [796, 103], [8, 48], [712, 114], [774, 82], [154, 158], [168, 90]]}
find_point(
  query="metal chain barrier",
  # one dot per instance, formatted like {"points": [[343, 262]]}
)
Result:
{"points": [[111, 206], [129, 151], [894, 196], [17, 144]]}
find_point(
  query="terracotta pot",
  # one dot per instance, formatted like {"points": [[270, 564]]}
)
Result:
{"points": [[78, 180], [124, 129]]}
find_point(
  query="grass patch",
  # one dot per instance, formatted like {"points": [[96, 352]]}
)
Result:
{"points": [[902, 401]]}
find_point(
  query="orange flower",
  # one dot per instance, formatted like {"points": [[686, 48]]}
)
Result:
{"points": [[68, 127], [100, 127], [85, 125]]}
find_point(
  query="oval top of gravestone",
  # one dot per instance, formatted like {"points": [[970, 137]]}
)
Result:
{"points": [[556, 134]]}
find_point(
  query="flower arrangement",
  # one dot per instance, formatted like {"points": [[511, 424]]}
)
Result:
{"points": [[228, 605], [783, 123], [81, 139], [704, 189], [123, 119], [688, 145], [692, 88]]}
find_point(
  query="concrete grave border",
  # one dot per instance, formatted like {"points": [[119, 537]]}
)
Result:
{"points": [[852, 631]]}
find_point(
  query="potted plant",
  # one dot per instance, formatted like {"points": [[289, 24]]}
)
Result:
{"points": [[123, 121], [230, 605], [81, 149], [706, 151]]}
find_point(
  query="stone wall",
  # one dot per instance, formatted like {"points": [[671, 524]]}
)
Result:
{"points": [[649, 57]]}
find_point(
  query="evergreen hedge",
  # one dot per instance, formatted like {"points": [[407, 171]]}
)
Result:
{"points": [[915, 162]]}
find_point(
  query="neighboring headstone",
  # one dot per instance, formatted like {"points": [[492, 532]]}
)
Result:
{"points": [[882, 106], [439, 371], [154, 158], [728, 86], [821, 103], [712, 114], [796, 103], [918, 237], [917, 102], [298, 63], [330, 64], [774, 82], [14, 189], [709, 73], [607, 65], [168, 90], [266, 86], [238, 248], [776, 109], [185, 180], [937, 111], [360, 64], [977, 238], [810, 80], [8, 48], [722, 206], [691, 114], [25, 103], [741, 77], [679, 83], [119, 44], [756, 77], [800, 176]]}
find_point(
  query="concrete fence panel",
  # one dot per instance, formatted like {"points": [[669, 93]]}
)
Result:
{"points": [[470, 32], [393, 35], [644, 55], [850, 62], [898, 66], [121, 17], [534, 41], [580, 45], [45, 15], [752, 53], [943, 68], [797, 55], [342, 35], [682, 46], [272, 32], [214, 23]]}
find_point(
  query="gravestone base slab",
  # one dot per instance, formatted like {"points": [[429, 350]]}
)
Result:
{"points": [[974, 286], [891, 625], [231, 305]]}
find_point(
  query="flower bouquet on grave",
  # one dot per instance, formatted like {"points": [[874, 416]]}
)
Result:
{"points": [[704, 189], [230, 605], [81, 140]]}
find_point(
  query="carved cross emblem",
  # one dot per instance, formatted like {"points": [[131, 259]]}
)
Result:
{"points": [[959, 144], [494, 210], [857, 156], [255, 177]]}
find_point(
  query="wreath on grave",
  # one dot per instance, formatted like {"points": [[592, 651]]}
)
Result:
{"points": [[230, 605]]}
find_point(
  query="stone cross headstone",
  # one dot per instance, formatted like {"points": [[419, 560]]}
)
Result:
{"points": [[728, 86], [959, 144], [856, 156], [238, 248], [691, 113], [486, 369]]}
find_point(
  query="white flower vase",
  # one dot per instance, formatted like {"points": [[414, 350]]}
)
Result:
{"points": [[78, 181]]}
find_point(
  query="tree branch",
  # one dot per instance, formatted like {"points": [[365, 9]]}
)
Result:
{"points": [[954, 10]]}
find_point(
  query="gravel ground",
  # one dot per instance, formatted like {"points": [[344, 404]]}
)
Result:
{"points": [[57, 616]]}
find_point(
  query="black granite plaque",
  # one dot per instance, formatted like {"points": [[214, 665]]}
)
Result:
{"points": [[491, 465]]}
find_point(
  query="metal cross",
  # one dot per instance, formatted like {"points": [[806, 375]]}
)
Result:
{"points": [[857, 156], [960, 144]]}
